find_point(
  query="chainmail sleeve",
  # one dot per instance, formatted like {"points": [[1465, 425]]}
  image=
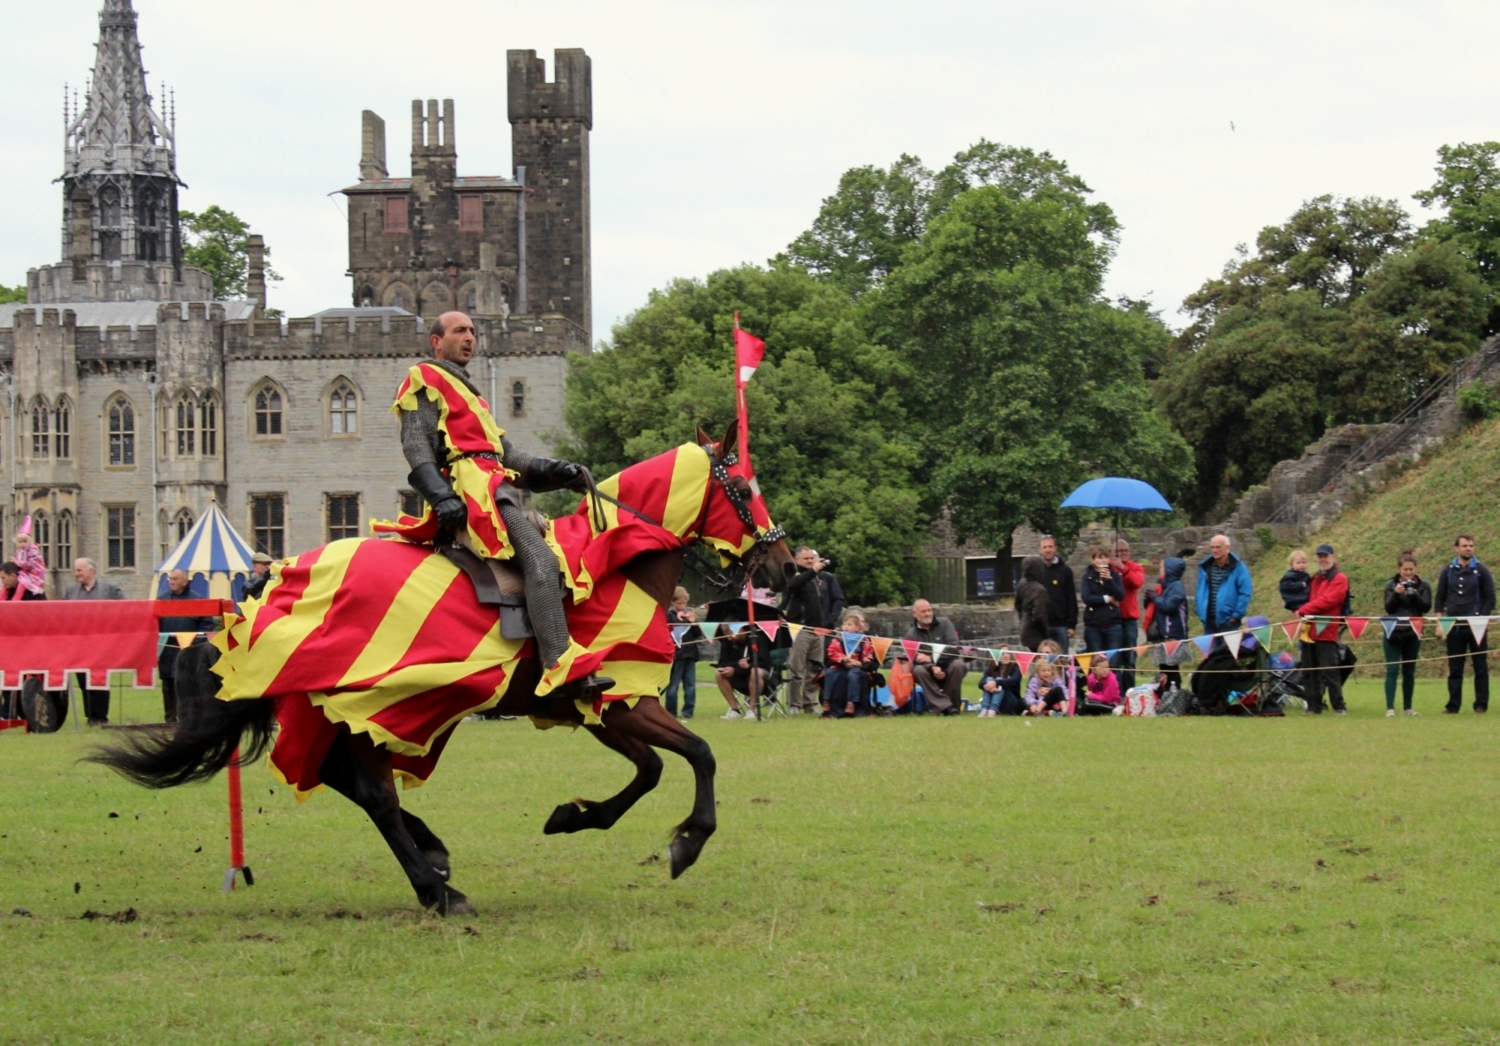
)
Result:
{"points": [[419, 433], [517, 461]]}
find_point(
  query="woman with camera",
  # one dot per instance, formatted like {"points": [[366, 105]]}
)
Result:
{"points": [[1406, 596]]}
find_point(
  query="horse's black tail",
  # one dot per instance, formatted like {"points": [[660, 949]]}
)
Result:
{"points": [[205, 739]]}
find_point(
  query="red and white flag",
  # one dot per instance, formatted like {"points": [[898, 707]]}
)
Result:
{"points": [[748, 352]]}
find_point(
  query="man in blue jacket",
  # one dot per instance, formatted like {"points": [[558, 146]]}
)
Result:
{"points": [[1466, 589], [1224, 588]]}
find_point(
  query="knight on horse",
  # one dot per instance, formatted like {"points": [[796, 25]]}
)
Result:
{"points": [[471, 478]]}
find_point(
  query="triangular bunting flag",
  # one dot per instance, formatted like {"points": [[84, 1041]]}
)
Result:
{"points": [[1357, 625], [1389, 624], [1320, 622], [793, 628], [910, 646], [1084, 660], [1024, 659], [1203, 643], [678, 631], [770, 628], [1416, 625], [1291, 628], [1141, 650], [1477, 625], [937, 649], [1444, 625], [851, 642], [1172, 645], [184, 639], [1233, 641], [1263, 634], [881, 645]]}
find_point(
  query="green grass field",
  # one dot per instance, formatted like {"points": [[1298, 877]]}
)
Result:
{"points": [[894, 881]]}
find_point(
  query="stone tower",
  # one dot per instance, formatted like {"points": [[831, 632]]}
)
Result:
{"points": [[550, 125], [120, 234]]}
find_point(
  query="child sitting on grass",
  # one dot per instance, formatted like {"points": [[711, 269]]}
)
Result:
{"points": [[1001, 686], [1101, 694], [1045, 694]]}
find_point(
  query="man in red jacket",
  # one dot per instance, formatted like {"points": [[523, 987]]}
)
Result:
{"points": [[1328, 594], [1132, 576]]}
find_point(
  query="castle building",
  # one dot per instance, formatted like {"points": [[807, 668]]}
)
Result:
{"points": [[130, 399]]}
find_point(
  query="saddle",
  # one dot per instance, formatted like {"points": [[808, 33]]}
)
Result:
{"points": [[498, 583]]}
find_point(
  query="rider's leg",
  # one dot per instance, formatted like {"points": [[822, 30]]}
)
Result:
{"points": [[538, 565]]}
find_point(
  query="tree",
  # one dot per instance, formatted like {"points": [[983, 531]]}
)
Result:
{"points": [[1468, 187], [858, 237], [1338, 316], [1025, 380], [12, 294], [825, 408], [217, 241]]}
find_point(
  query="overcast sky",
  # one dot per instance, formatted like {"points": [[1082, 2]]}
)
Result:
{"points": [[718, 128]]}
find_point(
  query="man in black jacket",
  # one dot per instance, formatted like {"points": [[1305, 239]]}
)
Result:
{"points": [[166, 660], [1062, 595], [940, 668], [814, 600], [1466, 589]]}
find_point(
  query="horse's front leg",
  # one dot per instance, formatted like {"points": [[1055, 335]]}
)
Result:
{"points": [[358, 769], [584, 813], [648, 723]]}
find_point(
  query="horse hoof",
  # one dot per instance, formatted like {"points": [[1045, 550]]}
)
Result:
{"points": [[437, 860], [566, 819], [685, 849], [455, 903]]}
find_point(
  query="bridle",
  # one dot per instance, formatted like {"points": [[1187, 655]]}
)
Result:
{"points": [[738, 498]]}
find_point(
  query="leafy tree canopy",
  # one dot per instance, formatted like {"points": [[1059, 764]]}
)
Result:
{"points": [[1468, 189], [827, 417], [1338, 316], [857, 239], [12, 294], [1023, 381], [217, 241]]}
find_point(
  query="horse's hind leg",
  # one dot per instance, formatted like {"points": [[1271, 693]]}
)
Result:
{"points": [[650, 724], [583, 813], [354, 767]]}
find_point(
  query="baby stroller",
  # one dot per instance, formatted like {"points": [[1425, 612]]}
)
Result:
{"points": [[1243, 684], [1284, 681]]}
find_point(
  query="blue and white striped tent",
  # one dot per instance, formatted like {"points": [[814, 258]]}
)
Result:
{"points": [[216, 559]]}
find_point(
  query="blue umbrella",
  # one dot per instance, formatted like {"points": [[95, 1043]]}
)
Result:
{"points": [[1118, 493]]}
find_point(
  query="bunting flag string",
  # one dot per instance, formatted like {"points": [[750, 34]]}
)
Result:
{"points": [[1024, 659], [678, 631], [1263, 634], [1084, 660], [851, 642], [1291, 628], [1233, 641], [1357, 625], [881, 645], [793, 629], [937, 649], [1478, 626], [1171, 646], [770, 628], [1444, 626], [1416, 625], [1203, 643], [1389, 624], [910, 646]]}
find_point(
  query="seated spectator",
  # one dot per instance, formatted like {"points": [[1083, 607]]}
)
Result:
{"points": [[1032, 602], [1102, 591], [685, 659], [1101, 695], [744, 663], [941, 678], [1045, 694], [1001, 686], [1296, 583], [849, 678]]}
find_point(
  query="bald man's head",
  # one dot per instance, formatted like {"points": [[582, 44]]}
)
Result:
{"points": [[453, 338]]}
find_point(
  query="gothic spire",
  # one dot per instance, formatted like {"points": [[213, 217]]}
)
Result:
{"points": [[118, 130]]}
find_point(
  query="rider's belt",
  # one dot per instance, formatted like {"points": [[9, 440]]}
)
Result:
{"points": [[488, 455]]}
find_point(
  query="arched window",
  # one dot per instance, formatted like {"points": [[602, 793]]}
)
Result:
{"points": [[41, 422], [268, 401], [182, 524], [343, 410], [63, 554], [109, 223], [366, 298], [62, 428], [208, 425], [187, 427], [146, 236], [41, 533], [518, 399], [121, 420]]}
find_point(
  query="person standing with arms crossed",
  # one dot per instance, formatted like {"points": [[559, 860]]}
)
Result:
{"points": [[1062, 595], [1466, 589], [813, 600]]}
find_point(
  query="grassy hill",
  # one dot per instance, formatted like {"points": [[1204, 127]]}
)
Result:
{"points": [[1456, 491]]}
